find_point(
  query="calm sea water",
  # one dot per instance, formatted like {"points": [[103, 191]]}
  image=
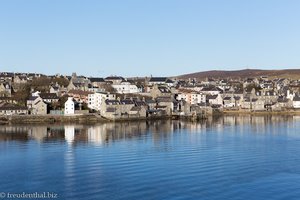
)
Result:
{"points": [[221, 158]]}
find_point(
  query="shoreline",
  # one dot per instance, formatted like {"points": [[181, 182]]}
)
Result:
{"points": [[80, 119], [244, 112], [93, 119]]}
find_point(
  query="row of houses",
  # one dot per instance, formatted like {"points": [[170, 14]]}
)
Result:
{"points": [[117, 97]]}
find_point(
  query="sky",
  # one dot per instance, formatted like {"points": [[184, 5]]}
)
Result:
{"points": [[148, 37]]}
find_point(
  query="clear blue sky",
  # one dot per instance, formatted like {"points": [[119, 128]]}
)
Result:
{"points": [[144, 37]]}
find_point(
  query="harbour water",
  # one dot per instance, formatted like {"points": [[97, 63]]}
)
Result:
{"points": [[230, 157]]}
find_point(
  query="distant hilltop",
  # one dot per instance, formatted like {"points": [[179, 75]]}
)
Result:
{"points": [[235, 74]]}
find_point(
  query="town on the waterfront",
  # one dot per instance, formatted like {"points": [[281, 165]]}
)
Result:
{"points": [[117, 98]]}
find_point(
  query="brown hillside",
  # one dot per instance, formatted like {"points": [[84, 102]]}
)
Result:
{"points": [[285, 73]]}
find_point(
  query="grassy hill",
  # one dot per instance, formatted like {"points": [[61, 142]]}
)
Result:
{"points": [[235, 74]]}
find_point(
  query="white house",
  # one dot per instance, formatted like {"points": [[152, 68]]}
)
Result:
{"points": [[214, 99], [210, 90], [125, 87], [94, 100], [290, 95], [296, 102], [228, 102], [69, 106], [197, 98]]}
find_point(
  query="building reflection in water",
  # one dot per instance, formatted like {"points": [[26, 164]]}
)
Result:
{"points": [[69, 133], [104, 134]]}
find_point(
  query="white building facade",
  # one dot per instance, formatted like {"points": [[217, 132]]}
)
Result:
{"points": [[69, 106], [125, 88], [95, 100], [296, 102]]}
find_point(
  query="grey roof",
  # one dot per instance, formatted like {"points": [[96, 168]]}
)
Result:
{"points": [[216, 106], [169, 81], [126, 101], [158, 79], [237, 98], [296, 98], [31, 98], [114, 78], [48, 96], [164, 89], [227, 98], [211, 96], [210, 89], [111, 102], [97, 80], [140, 103]]}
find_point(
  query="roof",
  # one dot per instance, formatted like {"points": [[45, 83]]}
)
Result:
{"points": [[296, 98], [211, 96], [140, 103], [97, 80], [32, 98], [216, 106], [158, 79], [126, 101], [114, 78], [48, 96], [160, 106], [210, 89], [227, 98], [39, 102], [9, 106], [112, 102], [237, 98], [164, 89], [169, 81]]}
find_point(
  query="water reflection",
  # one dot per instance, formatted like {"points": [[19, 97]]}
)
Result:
{"points": [[103, 134]]}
